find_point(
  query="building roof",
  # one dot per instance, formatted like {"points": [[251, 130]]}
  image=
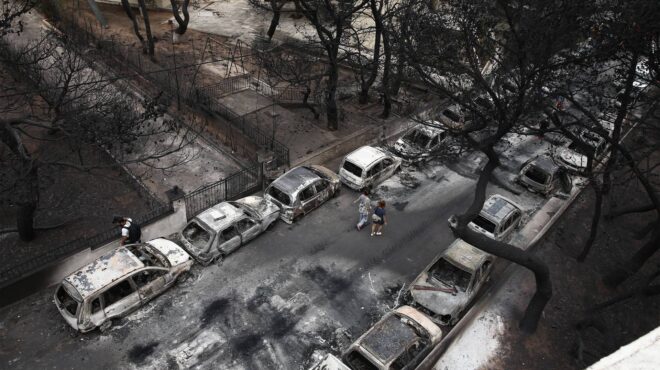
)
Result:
{"points": [[103, 271], [366, 156], [465, 255]]}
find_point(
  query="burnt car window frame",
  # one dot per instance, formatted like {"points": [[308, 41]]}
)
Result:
{"points": [[154, 271], [252, 223], [106, 293], [301, 195]]}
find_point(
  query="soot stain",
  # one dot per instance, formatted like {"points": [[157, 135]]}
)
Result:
{"points": [[141, 352], [261, 295], [331, 285], [213, 310]]}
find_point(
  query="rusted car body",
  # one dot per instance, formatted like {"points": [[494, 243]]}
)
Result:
{"points": [[330, 362], [574, 157], [119, 282], [301, 190], [367, 166], [420, 142], [542, 175], [402, 338], [498, 218], [451, 282], [225, 227]]}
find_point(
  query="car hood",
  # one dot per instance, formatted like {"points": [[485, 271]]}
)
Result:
{"points": [[260, 206], [439, 302], [573, 158], [173, 252]]}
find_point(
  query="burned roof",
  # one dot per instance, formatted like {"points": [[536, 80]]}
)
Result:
{"points": [[365, 156], [497, 207], [389, 338], [220, 215], [103, 271], [295, 180], [465, 255], [431, 129]]}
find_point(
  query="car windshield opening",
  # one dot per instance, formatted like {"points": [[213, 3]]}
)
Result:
{"points": [[451, 115], [353, 168], [279, 195], [484, 223], [448, 274], [357, 361], [197, 236], [537, 175], [580, 149], [417, 138], [148, 255], [69, 304]]}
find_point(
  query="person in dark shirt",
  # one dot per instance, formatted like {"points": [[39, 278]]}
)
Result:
{"points": [[379, 219]]}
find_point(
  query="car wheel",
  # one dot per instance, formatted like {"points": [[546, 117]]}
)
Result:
{"points": [[105, 326]]}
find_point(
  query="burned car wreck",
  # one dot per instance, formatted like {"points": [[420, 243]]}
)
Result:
{"points": [[451, 282], [119, 282], [301, 190], [225, 227], [420, 142], [542, 175], [367, 166]]}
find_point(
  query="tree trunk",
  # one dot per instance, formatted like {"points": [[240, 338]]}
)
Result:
{"points": [[147, 28], [136, 27], [332, 111], [372, 68], [526, 259], [182, 22], [275, 21], [387, 101], [594, 222], [25, 221]]}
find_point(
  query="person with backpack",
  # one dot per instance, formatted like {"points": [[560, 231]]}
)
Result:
{"points": [[130, 231]]}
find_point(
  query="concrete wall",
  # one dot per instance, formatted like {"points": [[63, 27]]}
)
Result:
{"points": [[642, 354], [54, 273]]}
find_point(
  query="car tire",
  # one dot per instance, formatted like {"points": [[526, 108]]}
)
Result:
{"points": [[105, 326]]}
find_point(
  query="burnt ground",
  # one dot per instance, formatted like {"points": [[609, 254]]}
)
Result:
{"points": [[577, 287]]}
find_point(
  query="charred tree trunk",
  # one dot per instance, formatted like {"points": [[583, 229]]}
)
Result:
{"points": [[387, 100], [136, 27], [594, 222], [332, 111], [147, 28], [459, 223], [305, 101], [372, 68], [182, 22], [275, 21]]}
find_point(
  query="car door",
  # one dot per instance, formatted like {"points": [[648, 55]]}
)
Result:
{"points": [[388, 166], [308, 198], [322, 188], [228, 239], [95, 311], [149, 282], [121, 298], [433, 143], [248, 228], [371, 177]]}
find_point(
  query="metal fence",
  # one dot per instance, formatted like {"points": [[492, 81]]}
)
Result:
{"points": [[176, 76], [9, 274], [236, 185]]}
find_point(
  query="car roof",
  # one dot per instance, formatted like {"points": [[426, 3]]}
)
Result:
{"points": [[103, 271], [365, 156], [295, 180], [498, 207], [546, 163], [429, 130], [220, 215], [465, 255], [388, 338]]}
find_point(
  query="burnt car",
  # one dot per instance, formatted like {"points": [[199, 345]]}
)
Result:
{"points": [[301, 190], [225, 227], [119, 282], [420, 142], [330, 362], [451, 282], [541, 174], [367, 166], [498, 218], [574, 157], [401, 339]]}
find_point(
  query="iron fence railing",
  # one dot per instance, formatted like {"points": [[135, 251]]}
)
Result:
{"points": [[236, 185]]}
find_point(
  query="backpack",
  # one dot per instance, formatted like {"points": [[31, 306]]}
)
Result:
{"points": [[134, 233]]}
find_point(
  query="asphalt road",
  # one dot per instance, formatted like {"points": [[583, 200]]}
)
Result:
{"points": [[296, 290]]}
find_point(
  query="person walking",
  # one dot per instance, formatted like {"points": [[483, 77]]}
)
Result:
{"points": [[379, 219], [364, 208], [130, 231]]}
